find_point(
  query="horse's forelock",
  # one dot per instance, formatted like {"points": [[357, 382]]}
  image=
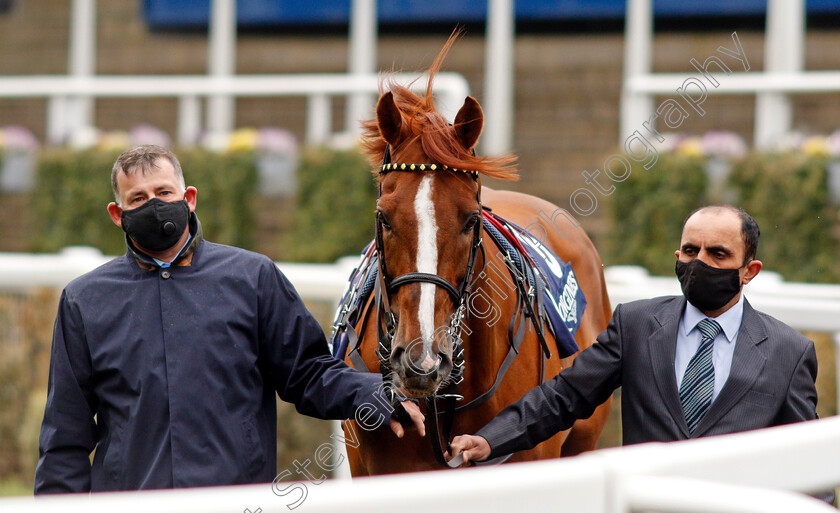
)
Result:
{"points": [[421, 119]]}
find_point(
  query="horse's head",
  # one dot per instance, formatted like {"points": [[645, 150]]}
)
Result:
{"points": [[428, 228], [429, 222]]}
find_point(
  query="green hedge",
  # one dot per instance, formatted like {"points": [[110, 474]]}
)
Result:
{"points": [[73, 189], [788, 197], [333, 215], [785, 192], [335, 204]]}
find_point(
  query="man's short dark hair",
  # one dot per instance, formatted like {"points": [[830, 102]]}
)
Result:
{"points": [[749, 228], [143, 159]]}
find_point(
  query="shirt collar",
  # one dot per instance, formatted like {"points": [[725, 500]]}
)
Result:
{"points": [[730, 320], [164, 265]]}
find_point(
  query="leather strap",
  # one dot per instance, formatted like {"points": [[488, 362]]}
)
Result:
{"points": [[424, 277]]}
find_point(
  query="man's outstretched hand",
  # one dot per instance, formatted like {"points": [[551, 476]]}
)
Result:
{"points": [[475, 448], [417, 419]]}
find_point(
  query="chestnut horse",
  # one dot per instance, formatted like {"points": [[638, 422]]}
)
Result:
{"points": [[433, 254]]}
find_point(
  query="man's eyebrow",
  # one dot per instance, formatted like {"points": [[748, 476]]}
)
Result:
{"points": [[689, 245], [722, 249]]}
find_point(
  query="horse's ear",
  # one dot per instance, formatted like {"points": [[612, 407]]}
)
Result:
{"points": [[388, 119], [468, 123]]}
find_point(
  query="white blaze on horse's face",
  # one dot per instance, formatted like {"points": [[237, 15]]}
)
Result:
{"points": [[427, 262]]}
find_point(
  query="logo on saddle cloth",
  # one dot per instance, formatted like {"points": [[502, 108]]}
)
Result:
{"points": [[564, 300]]}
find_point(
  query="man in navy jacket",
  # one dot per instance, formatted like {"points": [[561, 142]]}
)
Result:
{"points": [[166, 360]]}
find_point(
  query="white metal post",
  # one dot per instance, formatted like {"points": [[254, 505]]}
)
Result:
{"points": [[189, 120], [82, 65], [837, 371], [498, 77], [783, 47], [636, 108], [318, 119], [342, 471], [222, 63], [57, 123], [361, 60]]}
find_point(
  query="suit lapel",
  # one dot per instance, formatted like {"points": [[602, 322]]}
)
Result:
{"points": [[747, 363], [663, 348]]}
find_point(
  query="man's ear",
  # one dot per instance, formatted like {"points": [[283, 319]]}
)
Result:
{"points": [[751, 270], [116, 213], [191, 195]]}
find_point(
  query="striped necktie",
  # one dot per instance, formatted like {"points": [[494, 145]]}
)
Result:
{"points": [[699, 379]]}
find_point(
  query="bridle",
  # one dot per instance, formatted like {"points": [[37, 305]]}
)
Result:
{"points": [[387, 285], [386, 324]]}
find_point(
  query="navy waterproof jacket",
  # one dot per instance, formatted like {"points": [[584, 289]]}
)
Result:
{"points": [[171, 374]]}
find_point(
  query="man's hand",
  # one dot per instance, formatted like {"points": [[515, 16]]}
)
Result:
{"points": [[417, 418], [475, 448]]}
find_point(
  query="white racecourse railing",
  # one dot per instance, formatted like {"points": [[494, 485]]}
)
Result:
{"points": [[61, 90], [741, 473], [747, 472]]}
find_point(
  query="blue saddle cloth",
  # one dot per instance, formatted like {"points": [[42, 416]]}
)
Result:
{"points": [[563, 300]]}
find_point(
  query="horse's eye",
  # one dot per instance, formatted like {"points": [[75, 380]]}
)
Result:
{"points": [[383, 220], [470, 223]]}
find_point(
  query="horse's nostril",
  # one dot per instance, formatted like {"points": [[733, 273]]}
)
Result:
{"points": [[396, 360], [445, 365]]}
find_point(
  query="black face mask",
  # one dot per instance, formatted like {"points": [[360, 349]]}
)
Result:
{"points": [[156, 225], [706, 287]]}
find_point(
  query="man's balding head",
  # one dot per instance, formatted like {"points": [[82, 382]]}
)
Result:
{"points": [[749, 228]]}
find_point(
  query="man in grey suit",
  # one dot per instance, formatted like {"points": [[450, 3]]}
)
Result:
{"points": [[701, 364]]}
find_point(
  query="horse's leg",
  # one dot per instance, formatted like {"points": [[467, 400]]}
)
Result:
{"points": [[354, 457], [357, 468]]}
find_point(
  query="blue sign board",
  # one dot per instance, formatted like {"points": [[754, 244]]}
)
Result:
{"points": [[256, 13]]}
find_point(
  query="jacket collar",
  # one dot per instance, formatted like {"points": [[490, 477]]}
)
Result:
{"points": [[183, 258]]}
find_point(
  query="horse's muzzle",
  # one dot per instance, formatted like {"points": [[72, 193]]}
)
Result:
{"points": [[420, 375]]}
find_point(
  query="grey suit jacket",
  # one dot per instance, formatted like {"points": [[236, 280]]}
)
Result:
{"points": [[771, 382]]}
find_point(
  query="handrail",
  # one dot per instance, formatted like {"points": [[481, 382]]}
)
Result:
{"points": [[450, 87], [448, 83]]}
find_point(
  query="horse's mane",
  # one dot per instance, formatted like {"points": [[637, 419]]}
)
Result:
{"points": [[435, 134]]}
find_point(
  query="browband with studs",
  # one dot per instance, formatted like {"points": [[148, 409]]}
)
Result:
{"points": [[421, 167]]}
